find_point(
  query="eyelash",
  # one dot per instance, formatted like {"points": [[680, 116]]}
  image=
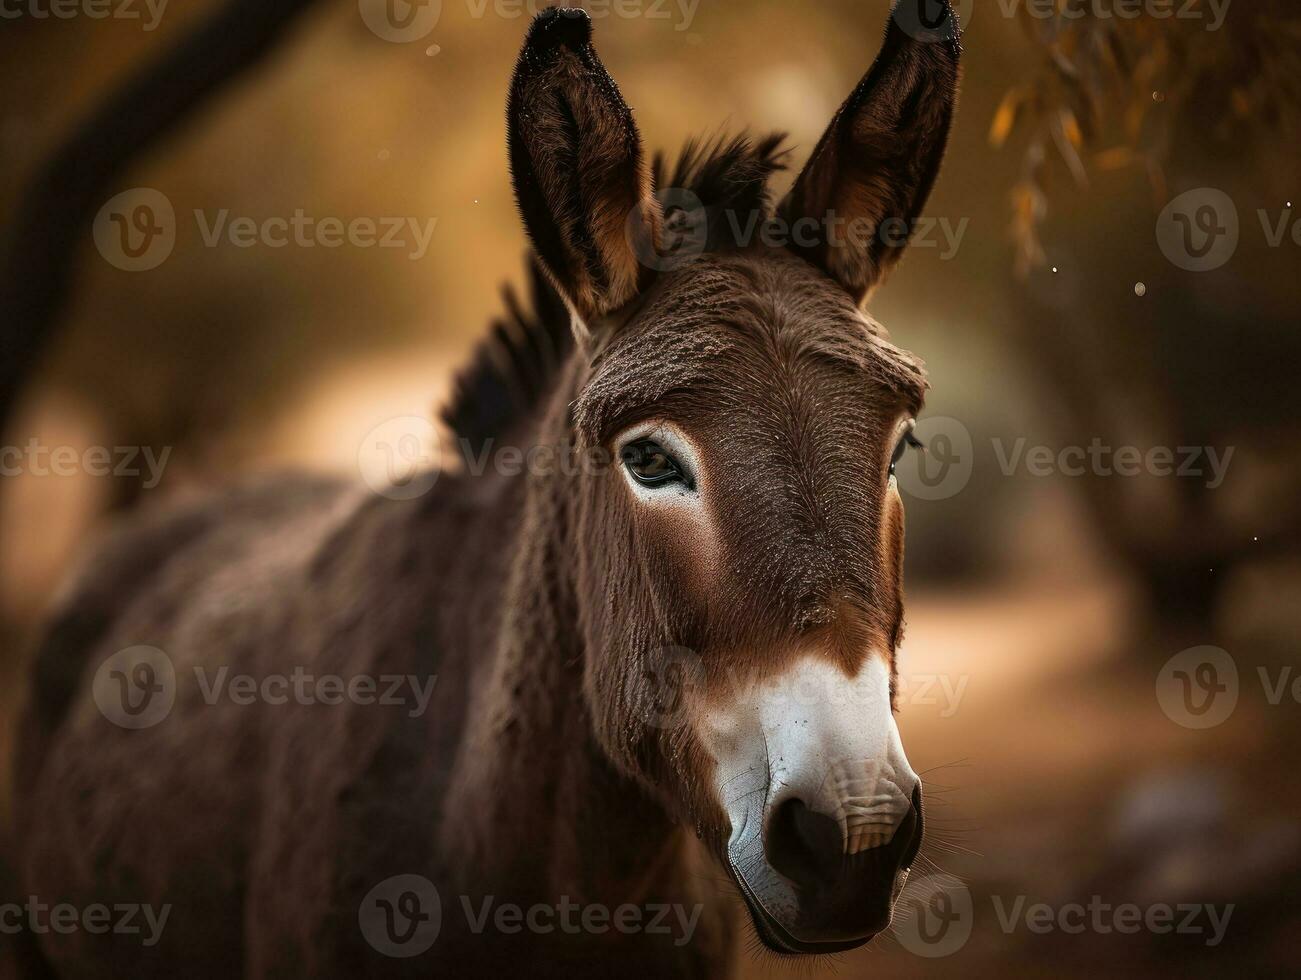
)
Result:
{"points": [[905, 440]]}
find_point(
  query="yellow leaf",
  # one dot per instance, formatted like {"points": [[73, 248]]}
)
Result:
{"points": [[1116, 158], [1005, 119], [1071, 128]]}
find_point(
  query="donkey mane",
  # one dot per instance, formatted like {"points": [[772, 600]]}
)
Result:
{"points": [[513, 366]]}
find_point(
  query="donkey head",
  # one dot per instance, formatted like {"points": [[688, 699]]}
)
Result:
{"points": [[749, 538]]}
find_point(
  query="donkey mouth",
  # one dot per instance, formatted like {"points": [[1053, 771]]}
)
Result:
{"points": [[846, 909], [778, 939]]}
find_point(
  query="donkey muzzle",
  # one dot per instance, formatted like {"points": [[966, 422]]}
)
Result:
{"points": [[825, 811]]}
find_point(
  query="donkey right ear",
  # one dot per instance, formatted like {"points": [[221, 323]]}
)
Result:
{"points": [[576, 161]]}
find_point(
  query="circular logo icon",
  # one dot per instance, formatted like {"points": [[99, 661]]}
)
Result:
{"points": [[136, 230], [933, 20], [136, 687], [671, 676], [401, 916], [400, 21], [934, 916], [942, 465], [1198, 688], [1198, 231], [399, 459], [684, 232]]}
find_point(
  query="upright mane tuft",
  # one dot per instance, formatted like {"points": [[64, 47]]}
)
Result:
{"points": [[728, 173], [514, 365]]}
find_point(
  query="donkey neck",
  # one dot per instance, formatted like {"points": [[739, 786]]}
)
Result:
{"points": [[535, 806]]}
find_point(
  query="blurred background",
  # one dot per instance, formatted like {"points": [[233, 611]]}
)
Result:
{"points": [[1113, 263]]}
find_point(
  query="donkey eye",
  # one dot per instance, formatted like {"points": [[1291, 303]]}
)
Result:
{"points": [[908, 438], [650, 464]]}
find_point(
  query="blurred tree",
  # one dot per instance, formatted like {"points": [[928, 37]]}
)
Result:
{"points": [[1209, 95], [57, 210]]}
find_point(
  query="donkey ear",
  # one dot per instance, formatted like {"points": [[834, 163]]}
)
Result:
{"points": [[576, 161], [871, 172]]}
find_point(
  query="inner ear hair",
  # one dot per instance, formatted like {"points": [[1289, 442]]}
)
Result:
{"points": [[871, 173], [581, 179]]}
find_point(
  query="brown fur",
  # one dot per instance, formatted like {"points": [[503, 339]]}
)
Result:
{"points": [[541, 602]]}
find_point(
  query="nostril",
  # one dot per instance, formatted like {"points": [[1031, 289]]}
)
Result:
{"points": [[802, 844]]}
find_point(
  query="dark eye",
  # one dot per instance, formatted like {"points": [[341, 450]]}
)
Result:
{"points": [[651, 464], [907, 439]]}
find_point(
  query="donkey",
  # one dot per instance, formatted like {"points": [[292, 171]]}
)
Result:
{"points": [[665, 677]]}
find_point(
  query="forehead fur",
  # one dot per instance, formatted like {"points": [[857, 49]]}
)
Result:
{"points": [[697, 316]]}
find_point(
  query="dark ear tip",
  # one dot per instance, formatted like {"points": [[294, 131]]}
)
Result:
{"points": [[930, 22], [556, 26]]}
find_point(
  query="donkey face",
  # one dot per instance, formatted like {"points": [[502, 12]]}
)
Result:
{"points": [[750, 533]]}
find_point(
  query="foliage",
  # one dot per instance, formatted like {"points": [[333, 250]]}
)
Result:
{"points": [[1113, 92]]}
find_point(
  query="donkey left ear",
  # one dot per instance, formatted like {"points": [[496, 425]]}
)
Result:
{"points": [[581, 179], [871, 172]]}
